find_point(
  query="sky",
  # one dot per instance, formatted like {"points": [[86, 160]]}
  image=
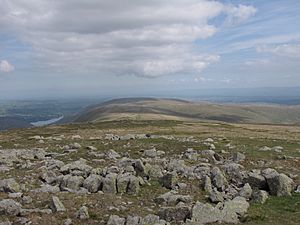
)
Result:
{"points": [[96, 47]]}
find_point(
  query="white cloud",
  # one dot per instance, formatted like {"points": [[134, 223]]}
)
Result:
{"points": [[143, 38], [239, 14], [284, 50], [5, 66]]}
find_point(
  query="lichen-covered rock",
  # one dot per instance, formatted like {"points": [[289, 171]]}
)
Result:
{"points": [[133, 220], [152, 219], [56, 205], [227, 212], [280, 185], [92, 183], [116, 220], [71, 182], [169, 180], [172, 198], [10, 207], [83, 213], [238, 157], [110, 183], [174, 214], [216, 196], [256, 180], [218, 179], [260, 196], [246, 191], [9, 185]]}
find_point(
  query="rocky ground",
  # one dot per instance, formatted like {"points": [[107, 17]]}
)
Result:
{"points": [[150, 172]]}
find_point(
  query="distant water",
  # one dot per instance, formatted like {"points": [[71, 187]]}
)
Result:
{"points": [[46, 122]]}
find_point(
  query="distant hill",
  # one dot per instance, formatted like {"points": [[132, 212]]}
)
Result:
{"points": [[7, 123], [175, 109]]}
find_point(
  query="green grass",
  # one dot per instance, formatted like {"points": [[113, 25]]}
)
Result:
{"points": [[276, 211]]}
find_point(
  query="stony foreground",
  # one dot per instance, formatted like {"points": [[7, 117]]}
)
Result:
{"points": [[113, 179]]}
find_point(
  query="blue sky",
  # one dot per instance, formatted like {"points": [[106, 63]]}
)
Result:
{"points": [[100, 47]]}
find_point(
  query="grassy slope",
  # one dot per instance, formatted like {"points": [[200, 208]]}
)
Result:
{"points": [[247, 139], [150, 109]]}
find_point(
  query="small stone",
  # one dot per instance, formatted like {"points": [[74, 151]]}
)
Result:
{"points": [[83, 213], [68, 222], [92, 148]]}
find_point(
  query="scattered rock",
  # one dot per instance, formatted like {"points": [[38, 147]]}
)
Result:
{"points": [[71, 182], [9, 185], [260, 196], [83, 213], [218, 179], [110, 183], [116, 220], [227, 212], [56, 205], [111, 154], [216, 196], [151, 153], [68, 222], [174, 214], [246, 191], [280, 185], [169, 180], [92, 183], [91, 148], [10, 207], [238, 157], [256, 180]]}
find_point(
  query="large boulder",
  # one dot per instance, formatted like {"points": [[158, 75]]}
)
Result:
{"points": [[172, 198], [280, 185], [169, 180], [215, 196], [152, 220], [256, 180], [128, 183], [116, 220], [92, 183], [133, 220], [260, 196], [78, 167], [218, 179], [238, 157], [9, 185], [227, 212], [70, 182], [110, 183], [246, 191], [174, 214], [10, 207]]}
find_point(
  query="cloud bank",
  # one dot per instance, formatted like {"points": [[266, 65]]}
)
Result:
{"points": [[128, 37]]}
